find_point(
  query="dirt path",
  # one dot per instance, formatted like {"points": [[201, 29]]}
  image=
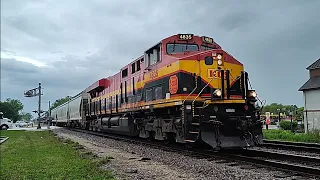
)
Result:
{"points": [[127, 165]]}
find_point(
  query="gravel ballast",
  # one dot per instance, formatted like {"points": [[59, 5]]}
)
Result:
{"points": [[135, 161]]}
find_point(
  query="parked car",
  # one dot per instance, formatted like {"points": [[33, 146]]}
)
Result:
{"points": [[21, 124], [30, 124], [5, 123]]}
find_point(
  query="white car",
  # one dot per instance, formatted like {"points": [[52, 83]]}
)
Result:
{"points": [[5, 123], [21, 124]]}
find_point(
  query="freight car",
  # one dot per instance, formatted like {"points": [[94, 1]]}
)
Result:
{"points": [[185, 89], [70, 112]]}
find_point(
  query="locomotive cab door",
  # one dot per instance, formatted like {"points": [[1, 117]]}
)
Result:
{"points": [[117, 103], [152, 58]]}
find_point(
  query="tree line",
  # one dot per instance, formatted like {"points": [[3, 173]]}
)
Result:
{"points": [[60, 101], [12, 109], [286, 109]]}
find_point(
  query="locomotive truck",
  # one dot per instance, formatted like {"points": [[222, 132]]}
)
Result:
{"points": [[185, 89]]}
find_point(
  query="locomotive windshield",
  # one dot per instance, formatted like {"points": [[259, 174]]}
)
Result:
{"points": [[177, 48]]}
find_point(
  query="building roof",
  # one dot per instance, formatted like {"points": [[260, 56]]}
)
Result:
{"points": [[312, 83], [315, 65]]}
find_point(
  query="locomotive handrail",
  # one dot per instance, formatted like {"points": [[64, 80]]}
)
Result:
{"points": [[200, 93], [202, 90]]}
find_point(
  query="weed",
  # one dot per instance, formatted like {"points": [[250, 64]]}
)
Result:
{"points": [[285, 135], [104, 160]]}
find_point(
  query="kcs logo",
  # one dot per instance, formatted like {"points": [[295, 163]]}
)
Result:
{"points": [[214, 73]]}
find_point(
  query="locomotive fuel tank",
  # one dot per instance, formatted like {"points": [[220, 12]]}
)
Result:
{"points": [[115, 121]]}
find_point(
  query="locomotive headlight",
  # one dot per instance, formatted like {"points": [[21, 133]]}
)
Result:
{"points": [[252, 93], [217, 92], [219, 62], [219, 56]]}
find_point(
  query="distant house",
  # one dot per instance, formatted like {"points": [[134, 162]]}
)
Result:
{"points": [[311, 95]]}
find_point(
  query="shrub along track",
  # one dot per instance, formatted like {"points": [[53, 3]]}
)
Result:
{"points": [[297, 146], [285, 162]]}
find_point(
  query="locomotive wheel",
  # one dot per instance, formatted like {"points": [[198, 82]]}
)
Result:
{"points": [[170, 138], [190, 146], [151, 136]]}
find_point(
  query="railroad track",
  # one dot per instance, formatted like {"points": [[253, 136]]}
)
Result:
{"points": [[298, 146], [285, 162]]}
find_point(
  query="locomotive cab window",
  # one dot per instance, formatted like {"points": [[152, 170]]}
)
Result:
{"points": [[208, 60], [179, 48], [152, 56]]}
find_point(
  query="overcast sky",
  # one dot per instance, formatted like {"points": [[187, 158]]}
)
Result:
{"points": [[67, 44]]}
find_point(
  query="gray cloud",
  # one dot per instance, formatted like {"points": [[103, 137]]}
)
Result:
{"points": [[83, 41]]}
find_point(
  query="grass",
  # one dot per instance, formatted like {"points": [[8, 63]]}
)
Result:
{"points": [[40, 155], [286, 135]]}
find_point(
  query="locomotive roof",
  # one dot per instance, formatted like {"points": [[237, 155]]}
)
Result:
{"points": [[98, 85]]}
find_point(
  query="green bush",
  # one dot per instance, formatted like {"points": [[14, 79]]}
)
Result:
{"points": [[286, 125], [285, 135]]}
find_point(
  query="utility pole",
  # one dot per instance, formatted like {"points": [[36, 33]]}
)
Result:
{"points": [[33, 93], [49, 119], [291, 113], [39, 106], [279, 119]]}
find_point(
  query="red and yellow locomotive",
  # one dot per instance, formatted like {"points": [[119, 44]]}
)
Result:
{"points": [[186, 88]]}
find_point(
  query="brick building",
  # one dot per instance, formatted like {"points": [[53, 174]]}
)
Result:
{"points": [[311, 96]]}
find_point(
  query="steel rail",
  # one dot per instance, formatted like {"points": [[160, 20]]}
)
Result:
{"points": [[298, 146], [280, 156], [317, 145]]}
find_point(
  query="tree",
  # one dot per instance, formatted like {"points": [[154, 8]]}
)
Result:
{"points": [[26, 116], [300, 113], [11, 109], [273, 108], [59, 102]]}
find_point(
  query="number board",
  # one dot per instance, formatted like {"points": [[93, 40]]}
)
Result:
{"points": [[207, 40], [154, 74], [185, 36]]}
